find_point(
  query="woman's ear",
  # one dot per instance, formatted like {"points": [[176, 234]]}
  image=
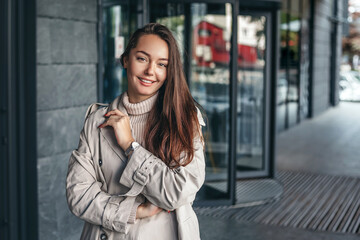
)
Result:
{"points": [[125, 61]]}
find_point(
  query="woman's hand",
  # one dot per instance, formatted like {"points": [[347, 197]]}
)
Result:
{"points": [[121, 125], [147, 209]]}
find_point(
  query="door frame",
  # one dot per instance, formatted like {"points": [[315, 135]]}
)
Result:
{"points": [[268, 94], [231, 186], [271, 10], [270, 7], [18, 180]]}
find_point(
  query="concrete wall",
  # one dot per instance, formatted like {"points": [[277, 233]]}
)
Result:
{"points": [[66, 85], [323, 53]]}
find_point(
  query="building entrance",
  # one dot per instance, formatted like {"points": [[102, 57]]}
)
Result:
{"points": [[226, 52]]}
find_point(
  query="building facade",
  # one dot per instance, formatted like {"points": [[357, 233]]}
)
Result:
{"points": [[256, 68]]}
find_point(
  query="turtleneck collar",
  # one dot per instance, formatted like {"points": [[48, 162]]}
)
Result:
{"points": [[141, 107]]}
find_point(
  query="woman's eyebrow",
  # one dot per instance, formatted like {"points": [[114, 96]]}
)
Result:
{"points": [[143, 52]]}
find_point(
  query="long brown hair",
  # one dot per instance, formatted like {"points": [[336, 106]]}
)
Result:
{"points": [[172, 124]]}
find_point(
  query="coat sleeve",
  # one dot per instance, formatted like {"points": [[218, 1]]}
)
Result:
{"points": [[166, 188], [85, 198]]}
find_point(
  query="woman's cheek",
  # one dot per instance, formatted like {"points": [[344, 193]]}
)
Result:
{"points": [[163, 75]]}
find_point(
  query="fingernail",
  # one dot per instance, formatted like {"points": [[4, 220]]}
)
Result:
{"points": [[100, 126], [169, 211]]}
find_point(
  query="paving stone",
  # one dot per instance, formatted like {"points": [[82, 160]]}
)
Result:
{"points": [[212, 228], [43, 41], [55, 219], [46, 199], [69, 226], [65, 41], [327, 144], [60, 86], [58, 131], [47, 222], [73, 9]]}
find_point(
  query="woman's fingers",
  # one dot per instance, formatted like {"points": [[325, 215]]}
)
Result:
{"points": [[115, 112], [147, 210], [109, 116], [111, 120], [105, 123], [154, 209], [121, 125]]}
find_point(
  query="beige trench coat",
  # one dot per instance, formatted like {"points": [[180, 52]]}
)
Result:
{"points": [[105, 199]]}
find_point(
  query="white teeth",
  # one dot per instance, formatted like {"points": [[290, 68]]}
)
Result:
{"points": [[145, 81]]}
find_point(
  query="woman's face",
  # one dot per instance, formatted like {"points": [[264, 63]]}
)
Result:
{"points": [[146, 67]]}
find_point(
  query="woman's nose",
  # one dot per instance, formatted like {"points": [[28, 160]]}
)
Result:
{"points": [[150, 69]]}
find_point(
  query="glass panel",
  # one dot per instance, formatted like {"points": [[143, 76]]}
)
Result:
{"points": [[209, 60], [288, 82], [173, 17], [115, 37], [251, 82], [294, 61], [304, 60], [210, 80], [282, 83]]}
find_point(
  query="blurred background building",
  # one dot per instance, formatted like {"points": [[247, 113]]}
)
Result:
{"points": [[350, 65], [257, 67]]}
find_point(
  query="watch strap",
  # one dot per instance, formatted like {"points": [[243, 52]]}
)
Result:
{"points": [[131, 148]]}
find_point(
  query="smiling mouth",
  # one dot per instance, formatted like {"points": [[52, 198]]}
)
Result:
{"points": [[146, 81]]}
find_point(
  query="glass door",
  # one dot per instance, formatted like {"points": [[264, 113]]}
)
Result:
{"points": [[203, 32], [118, 23], [229, 72], [293, 81], [211, 30], [252, 94]]}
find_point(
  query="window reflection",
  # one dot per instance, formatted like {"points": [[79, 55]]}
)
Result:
{"points": [[115, 36], [172, 16], [292, 94], [210, 79], [251, 81], [208, 58], [293, 62]]}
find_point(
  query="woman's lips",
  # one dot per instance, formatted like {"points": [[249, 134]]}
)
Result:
{"points": [[146, 82]]}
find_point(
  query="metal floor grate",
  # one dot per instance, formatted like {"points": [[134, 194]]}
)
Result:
{"points": [[309, 201], [253, 192]]}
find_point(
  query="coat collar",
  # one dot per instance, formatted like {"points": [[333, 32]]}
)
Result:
{"points": [[117, 103]]}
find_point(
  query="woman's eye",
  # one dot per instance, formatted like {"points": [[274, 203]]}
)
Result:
{"points": [[162, 65], [141, 59]]}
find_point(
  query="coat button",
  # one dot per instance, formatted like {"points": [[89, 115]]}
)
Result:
{"points": [[103, 236], [100, 162]]}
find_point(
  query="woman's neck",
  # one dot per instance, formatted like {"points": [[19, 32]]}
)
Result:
{"points": [[133, 98]]}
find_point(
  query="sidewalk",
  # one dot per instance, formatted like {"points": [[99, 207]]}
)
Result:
{"points": [[327, 144], [212, 228], [324, 148]]}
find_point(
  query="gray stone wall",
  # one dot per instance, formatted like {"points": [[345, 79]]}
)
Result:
{"points": [[322, 55], [66, 84]]}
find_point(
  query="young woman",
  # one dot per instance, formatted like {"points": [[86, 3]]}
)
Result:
{"points": [[140, 159]]}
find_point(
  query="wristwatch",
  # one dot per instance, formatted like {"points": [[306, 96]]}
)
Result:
{"points": [[133, 146]]}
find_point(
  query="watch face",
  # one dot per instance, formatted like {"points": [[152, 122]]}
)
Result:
{"points": [[135, 145]]}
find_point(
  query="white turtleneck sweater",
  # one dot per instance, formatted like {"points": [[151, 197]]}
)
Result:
{"points": [[138, 114], [162, 226]]}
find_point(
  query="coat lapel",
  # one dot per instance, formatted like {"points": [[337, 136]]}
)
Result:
{"points": [[109, 136], [108, 132]]}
